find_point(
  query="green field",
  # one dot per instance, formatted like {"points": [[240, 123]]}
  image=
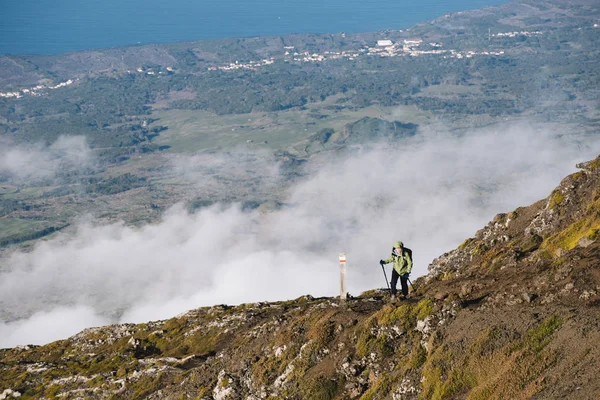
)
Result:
{"points": [[10, 227], [191, 131]]}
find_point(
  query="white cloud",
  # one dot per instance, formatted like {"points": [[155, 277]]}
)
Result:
{"points": [[432, 192], [40, 162], [213, 172], [44, 327]]}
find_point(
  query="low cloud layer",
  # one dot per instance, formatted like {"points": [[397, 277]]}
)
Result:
{"points": [[39, 162], [431, 192], [250, 172]]}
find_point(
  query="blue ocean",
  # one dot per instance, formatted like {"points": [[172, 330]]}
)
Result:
{"points": [[59, 26]]}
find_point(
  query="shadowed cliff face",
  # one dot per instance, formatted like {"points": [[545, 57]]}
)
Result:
{"points": [[512, 313]]}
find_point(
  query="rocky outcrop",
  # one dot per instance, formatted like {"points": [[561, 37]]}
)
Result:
{"points": [[531, 243]]}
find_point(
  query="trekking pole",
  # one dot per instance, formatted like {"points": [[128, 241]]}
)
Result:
{"points": [[385, 276], [411, 285]]}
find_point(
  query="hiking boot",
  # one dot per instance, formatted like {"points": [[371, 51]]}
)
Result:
{"points": [[393, 297]]}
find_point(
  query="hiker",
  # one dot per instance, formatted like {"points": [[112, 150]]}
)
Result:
{"points": [[402, 260]]}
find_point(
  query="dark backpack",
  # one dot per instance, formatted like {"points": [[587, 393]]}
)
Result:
{"points": [[408, 251]]}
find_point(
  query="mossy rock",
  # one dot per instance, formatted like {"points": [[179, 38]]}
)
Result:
{"points": [[556, 198], [595, 164], [320, 388]]}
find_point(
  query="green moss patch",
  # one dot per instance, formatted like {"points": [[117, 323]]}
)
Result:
{"points": [[556, 198], [568, 238], [406, 315], [538, 337]]}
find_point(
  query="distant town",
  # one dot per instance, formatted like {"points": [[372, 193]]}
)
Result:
{"points": [[413, 47], [34, 91], [382, 48]]}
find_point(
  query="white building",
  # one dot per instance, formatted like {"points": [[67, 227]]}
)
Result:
{"points": [[384, 43], [413, 41]]}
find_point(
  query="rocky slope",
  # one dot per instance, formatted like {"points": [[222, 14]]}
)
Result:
{"points": [[512, 313]]}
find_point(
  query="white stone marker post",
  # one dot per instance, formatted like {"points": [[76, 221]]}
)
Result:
{"points": [[342, 277]]}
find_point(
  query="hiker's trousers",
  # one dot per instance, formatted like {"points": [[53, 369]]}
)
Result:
{"points": [[403, 283]]}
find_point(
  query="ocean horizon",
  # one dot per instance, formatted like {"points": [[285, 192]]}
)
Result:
{"points": [[34, 27]]}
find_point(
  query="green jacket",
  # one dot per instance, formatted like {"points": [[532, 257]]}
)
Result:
{"points": [[402, 263]]}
